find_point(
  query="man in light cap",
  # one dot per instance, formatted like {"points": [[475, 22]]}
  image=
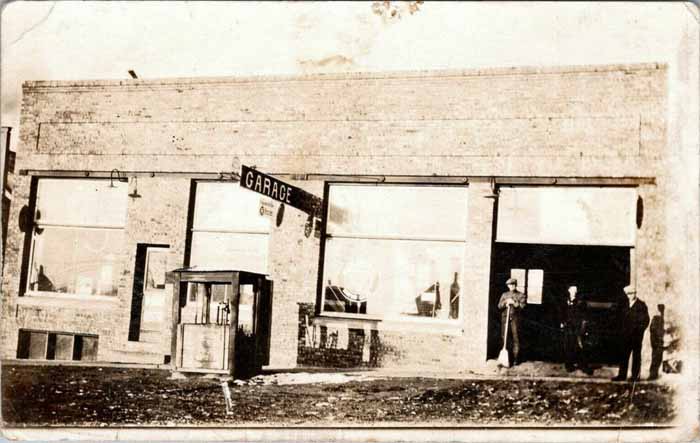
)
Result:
{"points": [[635, 319], [517, 301]]}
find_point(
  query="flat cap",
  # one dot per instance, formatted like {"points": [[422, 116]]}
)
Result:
{"points": [[630, 289], [512, 281]]}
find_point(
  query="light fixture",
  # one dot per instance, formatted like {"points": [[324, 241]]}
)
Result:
{"points": [[233, 176], [135, 192], [118, 175], [494, 189]]}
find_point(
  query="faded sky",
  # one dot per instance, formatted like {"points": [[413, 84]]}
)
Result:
{"points": [[88, 40]]}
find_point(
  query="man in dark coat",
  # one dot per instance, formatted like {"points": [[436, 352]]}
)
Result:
{"points": [[635, 319], [517, 301], [573, 324]]}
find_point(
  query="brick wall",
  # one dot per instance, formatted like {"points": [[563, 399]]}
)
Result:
{"points": [[159, 216], [606, 121]]}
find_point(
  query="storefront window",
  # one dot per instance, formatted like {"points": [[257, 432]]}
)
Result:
{"points": [[78, 235], [228, 230], [395, 251]]}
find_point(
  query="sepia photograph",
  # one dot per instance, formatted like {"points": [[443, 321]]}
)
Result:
{"points": [[350, 221]]}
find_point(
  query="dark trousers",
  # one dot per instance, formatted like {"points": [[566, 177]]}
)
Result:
{"points": [[574, 355], [631, 345], [513, 334]]}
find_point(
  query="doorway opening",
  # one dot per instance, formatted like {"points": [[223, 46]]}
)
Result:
{"points": [[546, 271], [148, 304]]}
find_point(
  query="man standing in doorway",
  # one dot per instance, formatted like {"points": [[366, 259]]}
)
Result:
{"points": [[517, 301], [574, 325], [635, 319]]}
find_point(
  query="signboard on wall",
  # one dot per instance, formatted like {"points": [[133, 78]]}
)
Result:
{"points": [[266, 207], [604, 216], [276, 189]]}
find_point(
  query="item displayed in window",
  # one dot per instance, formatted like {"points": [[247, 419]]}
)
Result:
{"points": [[454, 298], [339, 299], [428, 303]]}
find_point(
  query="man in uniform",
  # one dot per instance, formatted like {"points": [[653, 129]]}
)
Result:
{"points": [[635, 319], [517, 301], [573, 324]]}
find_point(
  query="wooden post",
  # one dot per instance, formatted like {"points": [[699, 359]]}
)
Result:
{"points": [[233, 326], [175, 306]]}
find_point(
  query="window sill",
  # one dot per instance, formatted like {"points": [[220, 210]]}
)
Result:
{"points": [[408, 324], [35, 298], [351, 316]]}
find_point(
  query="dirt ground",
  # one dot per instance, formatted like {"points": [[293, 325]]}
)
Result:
{"points": [[95, 397]]}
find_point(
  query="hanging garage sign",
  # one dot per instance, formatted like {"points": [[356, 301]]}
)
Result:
{"points": [[256, 181]]}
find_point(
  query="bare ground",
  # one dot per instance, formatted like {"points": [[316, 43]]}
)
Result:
{"points": [[94, 397]]}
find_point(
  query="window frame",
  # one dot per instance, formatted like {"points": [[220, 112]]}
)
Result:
{"points": [[526, 283], [30, 243], [320, 292], [191, 230]]}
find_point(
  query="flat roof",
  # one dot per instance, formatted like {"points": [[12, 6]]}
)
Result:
{"points": [[360, 75]]}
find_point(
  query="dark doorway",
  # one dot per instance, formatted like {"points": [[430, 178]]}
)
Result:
{"points": [[600, 272], [147, 293]]}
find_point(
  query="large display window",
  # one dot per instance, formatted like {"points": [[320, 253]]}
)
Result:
{"points": [[394, 251], [77, 237]]}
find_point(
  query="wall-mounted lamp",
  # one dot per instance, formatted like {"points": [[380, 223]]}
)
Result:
{"points": [[135, 192], [112, 174], [494, 189], [377, 179], [234, 176]]}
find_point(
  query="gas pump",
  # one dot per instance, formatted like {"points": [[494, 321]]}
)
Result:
{"points": [[221, 321]]}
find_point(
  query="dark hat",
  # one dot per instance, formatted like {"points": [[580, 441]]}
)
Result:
{"points": [[511, 281]]}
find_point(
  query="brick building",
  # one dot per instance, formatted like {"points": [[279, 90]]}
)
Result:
{"points": [[437, 186]]}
